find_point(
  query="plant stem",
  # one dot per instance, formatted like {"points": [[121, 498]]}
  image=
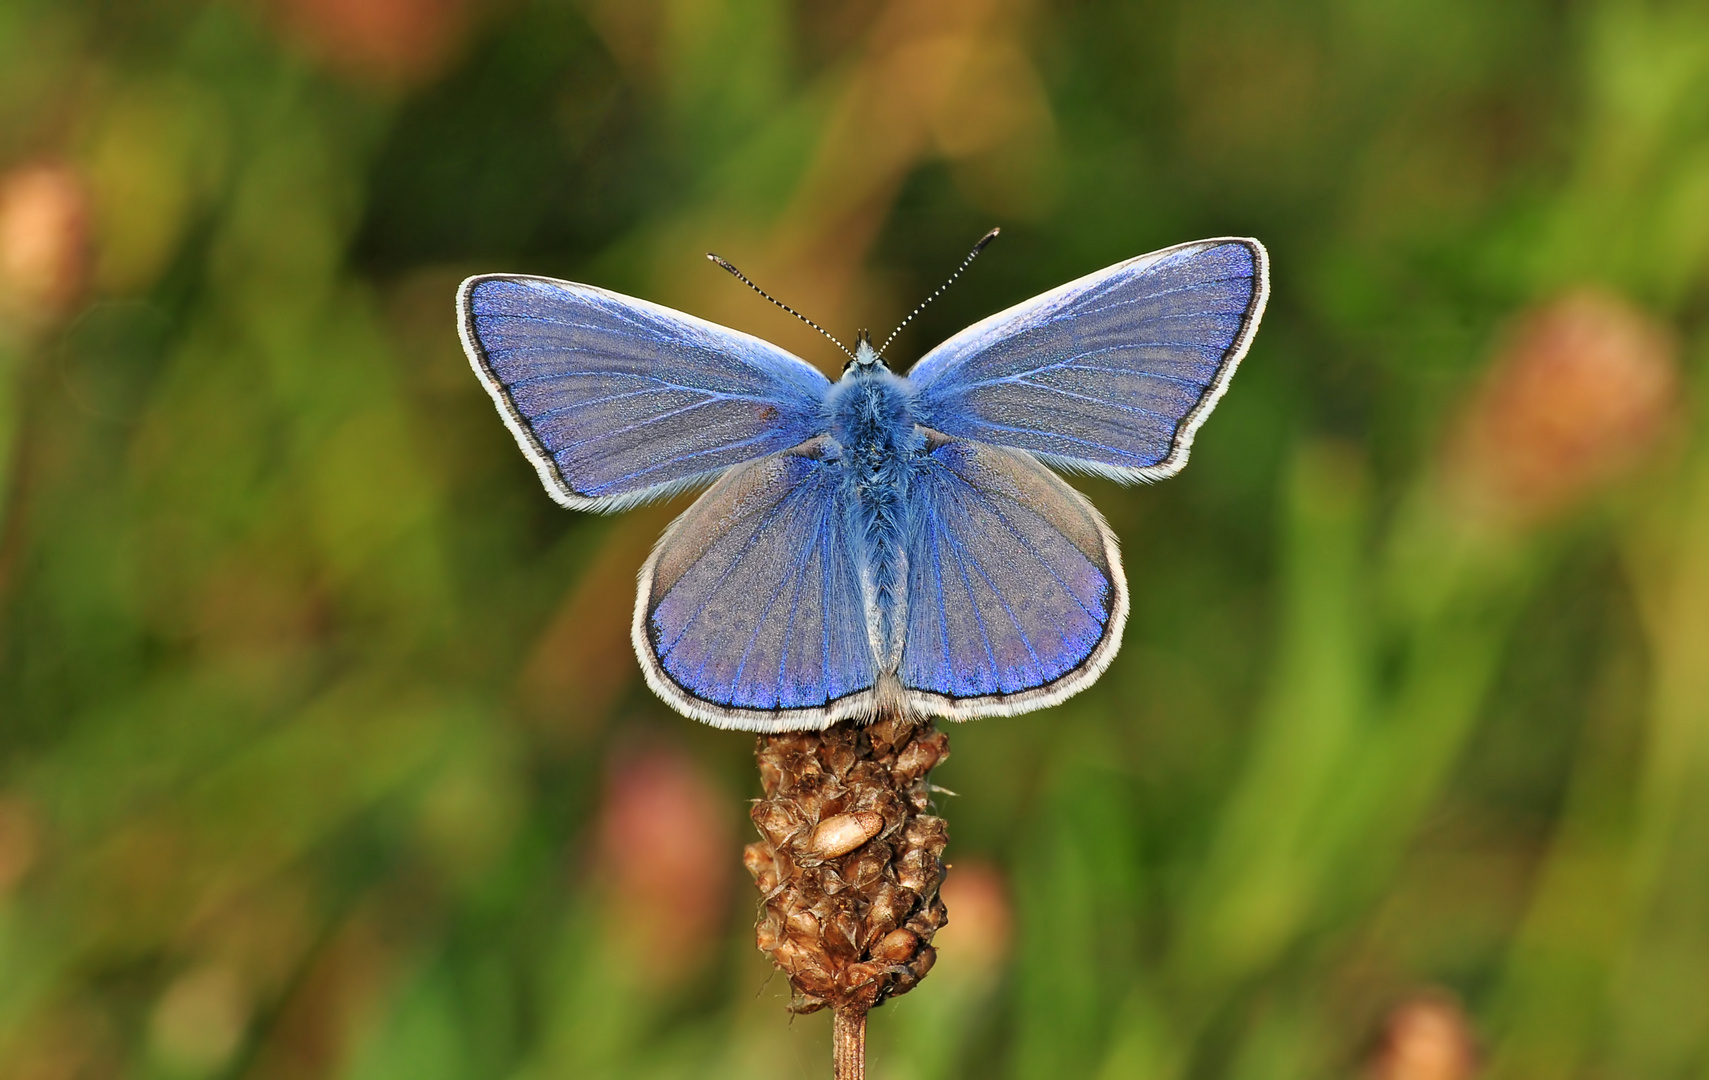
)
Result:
{"points": [[848, 1044]]}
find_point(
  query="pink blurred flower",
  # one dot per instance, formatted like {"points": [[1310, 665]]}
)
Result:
{"points": [[388, 42], [44, 241], [976, 938], [1582, 390], [1426, 1038], [666, 852]]}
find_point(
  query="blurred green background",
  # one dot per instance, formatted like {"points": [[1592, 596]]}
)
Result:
{"points": [[322, 750]]}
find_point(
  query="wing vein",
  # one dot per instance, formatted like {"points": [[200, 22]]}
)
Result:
{"points": [[759, 624], [770, 515], [1073, 362], [982, 422], [1003, 602], [997, 512], [978, 619], [795, 606], [943, 610], [1023, 381], [602, 436], [678, 460]]}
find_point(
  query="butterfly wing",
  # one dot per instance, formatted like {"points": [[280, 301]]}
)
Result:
{"points": [[750, 613], [1112, 373], [1016, 596], [616, 400]]}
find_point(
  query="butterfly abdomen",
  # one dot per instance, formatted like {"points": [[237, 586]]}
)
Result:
{"points": [[872, 419]]}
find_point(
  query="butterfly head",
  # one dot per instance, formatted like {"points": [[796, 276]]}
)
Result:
{"points": [[866, 358]]}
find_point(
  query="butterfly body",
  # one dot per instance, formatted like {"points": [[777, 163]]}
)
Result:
{"points": [[885, 542], [879, 447]]}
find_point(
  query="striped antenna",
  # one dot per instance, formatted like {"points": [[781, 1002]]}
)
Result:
{"points": [[965, 263], [744, 280]]}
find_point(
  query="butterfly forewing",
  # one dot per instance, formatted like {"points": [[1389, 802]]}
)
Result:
{"points": [[750, 612], [1112, 373], [1016, 592], [617, 400]]}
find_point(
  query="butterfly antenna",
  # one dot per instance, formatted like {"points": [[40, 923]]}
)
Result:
{"points": [[743, 278], [965, 263]]}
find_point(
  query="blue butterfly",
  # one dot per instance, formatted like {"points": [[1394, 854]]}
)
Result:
{"points": [[885, 542]]}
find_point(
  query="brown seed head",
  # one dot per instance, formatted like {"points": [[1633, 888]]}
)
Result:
{"points": [[762, 865], [778, 822], [849, 902], [920, 756], [896, 946], [841, 834]]}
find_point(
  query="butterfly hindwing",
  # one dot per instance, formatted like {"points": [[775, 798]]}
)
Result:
{"points": [[1016, 594], [750, 612], [617, 400], [1112, 373]]}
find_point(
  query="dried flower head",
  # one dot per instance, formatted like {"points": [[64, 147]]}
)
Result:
{"points": [[849, 861], [1581, 391]]}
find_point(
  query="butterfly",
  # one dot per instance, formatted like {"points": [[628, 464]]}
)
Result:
{"points": [[884, 543]]}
